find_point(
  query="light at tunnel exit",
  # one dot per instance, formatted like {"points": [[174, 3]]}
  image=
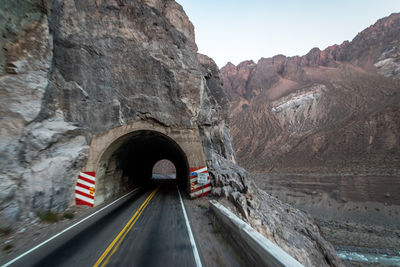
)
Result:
{"points": [[164, 169]]}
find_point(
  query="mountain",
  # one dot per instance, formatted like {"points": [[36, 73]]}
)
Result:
{"points": [[127, 74], [335, 110]]}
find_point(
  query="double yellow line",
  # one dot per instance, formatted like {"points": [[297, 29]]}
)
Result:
{"points": [[112, 248]]}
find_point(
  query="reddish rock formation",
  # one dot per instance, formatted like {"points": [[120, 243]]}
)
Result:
{"points": [[331, 110]]}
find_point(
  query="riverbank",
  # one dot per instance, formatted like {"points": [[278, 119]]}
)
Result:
{"points": [[359, 259], [358, 214]]}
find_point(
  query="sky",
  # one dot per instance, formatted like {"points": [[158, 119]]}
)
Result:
{"points": [[238, 30]]}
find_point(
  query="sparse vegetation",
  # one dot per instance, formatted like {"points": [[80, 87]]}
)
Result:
{"points": [[8, 247], [5, 230], [216, 230], [69, 214], [48, 216], [204, 207]]}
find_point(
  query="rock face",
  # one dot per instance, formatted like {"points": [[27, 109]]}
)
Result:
{"points": [[293, 230], [330, 110], [77, 68], [125, 62], [322, 132]]}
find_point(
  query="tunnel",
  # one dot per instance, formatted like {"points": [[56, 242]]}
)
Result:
{"points": [[128, 163]]}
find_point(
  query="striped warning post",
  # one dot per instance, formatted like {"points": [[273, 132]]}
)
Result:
{"points": [[85, 187], [196, 189]]}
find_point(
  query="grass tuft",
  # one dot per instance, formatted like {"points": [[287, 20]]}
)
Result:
{"points": [[8, 247], [204, 207], [48, 216], [5, 230], [69, 214]]}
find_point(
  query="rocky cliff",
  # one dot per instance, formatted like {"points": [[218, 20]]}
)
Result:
{"points": [[335, 110], [72, 69]]}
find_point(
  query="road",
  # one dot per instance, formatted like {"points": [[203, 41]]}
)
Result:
{"points": [[148, 229]]}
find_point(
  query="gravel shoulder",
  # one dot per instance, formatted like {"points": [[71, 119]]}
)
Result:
{"points": [[215, 250]]}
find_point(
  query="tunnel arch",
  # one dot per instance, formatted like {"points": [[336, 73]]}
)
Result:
{"points": [[117, 170], [128, 162]]}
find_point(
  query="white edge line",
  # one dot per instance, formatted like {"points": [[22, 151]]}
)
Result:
{"points": [[65, 230], [194, 248]]}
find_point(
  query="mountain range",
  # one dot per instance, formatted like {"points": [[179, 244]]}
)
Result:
{"points": [[332, 110]]}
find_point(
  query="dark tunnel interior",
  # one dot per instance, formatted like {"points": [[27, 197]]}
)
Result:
{"points": [[137, 156]]}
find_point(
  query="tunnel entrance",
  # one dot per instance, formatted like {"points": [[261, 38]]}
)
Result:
{"points": [[128, 162], [123, 157]]}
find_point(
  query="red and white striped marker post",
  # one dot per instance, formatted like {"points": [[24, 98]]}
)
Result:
{"points": [[196, 189], [85, 187]]}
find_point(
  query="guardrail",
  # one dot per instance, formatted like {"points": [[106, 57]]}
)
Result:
{"points": [[257, 248]]}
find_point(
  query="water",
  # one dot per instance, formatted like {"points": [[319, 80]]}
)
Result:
{"points": [[382, 259]]}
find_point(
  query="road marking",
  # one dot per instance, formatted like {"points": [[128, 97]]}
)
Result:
{"points": [[105, 257], [67, 229], [194, 248]]}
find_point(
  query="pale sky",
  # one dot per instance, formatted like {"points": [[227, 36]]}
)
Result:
{"points": [[238, 30]]}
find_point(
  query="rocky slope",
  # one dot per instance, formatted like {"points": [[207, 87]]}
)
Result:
{"points": [[293, 230], [322, 132], [328, 111], [71, 69]]}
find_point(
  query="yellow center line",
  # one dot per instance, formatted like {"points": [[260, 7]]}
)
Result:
{"points": [[120, 237]]}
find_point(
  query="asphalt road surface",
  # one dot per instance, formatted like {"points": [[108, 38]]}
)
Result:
{"points": [[148, 229]]}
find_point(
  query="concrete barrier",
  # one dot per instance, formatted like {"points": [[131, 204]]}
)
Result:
{"points": [[259, 250]]}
